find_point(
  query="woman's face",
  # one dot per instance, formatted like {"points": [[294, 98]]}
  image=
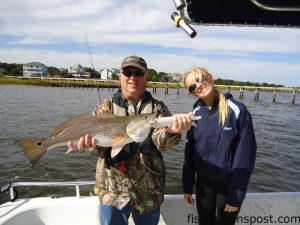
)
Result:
{"points": [[200, 86]]}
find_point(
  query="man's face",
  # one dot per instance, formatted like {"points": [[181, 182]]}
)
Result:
{"points": [[133, 83]]}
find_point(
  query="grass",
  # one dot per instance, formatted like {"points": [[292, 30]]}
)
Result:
{"points": [[16, 81], [74, 82]]}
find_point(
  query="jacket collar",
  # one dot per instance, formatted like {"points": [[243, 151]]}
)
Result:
{"points": [[201, 103]]}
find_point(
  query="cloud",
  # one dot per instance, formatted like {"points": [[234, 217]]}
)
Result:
{"points": [[236, 69], [53, 32]]}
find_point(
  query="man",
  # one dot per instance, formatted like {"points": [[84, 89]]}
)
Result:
{"points": [[134, 180]]}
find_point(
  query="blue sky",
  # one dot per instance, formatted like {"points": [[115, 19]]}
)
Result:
{"points": [[53, 33]]}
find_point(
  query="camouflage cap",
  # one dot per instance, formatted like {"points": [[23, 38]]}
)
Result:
{"points": [[135, 61]]}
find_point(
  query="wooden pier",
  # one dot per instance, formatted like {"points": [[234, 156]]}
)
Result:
{"points": [[112, 84], [257, 90]]}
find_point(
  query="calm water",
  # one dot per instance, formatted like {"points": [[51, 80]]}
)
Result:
{"points": [[34, 111]]}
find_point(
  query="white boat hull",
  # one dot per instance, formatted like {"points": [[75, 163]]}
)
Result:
{"points": [[258, 208]]}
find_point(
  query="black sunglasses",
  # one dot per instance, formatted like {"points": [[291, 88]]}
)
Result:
{"points": [[199, 80], [137, 73], [192, 88]]}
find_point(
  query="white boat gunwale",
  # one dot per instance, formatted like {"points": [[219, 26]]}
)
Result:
{"points": [[78, 209]]}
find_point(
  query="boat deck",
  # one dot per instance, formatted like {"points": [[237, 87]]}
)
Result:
{"points": [[50, 211], [257, 208]]}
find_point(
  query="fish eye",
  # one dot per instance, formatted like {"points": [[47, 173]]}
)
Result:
{"points": [[39, 143]]}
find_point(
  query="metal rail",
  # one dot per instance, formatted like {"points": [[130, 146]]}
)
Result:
{"points": [[77, 185]]}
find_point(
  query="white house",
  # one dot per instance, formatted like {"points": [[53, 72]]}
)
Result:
{"points": [[34, 69], [175, 77], [78, 71], [2, 70], [107, 74]]}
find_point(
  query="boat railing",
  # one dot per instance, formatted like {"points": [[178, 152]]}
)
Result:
{"points": [[76, 184]]}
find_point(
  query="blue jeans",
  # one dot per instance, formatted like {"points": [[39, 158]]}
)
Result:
{"points": [[112, 216]]}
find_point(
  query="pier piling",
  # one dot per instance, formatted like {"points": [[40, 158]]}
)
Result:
{"points": [[294, 96], [256, 94], [274, 96], [241, 93], [154, 87], [166, 88]]}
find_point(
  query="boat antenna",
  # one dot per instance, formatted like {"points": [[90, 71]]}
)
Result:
{"points": [[87, 42]]}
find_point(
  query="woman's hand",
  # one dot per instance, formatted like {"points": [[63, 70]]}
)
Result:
{"points": [[229, 208], [85, 143], [181, 123], [188, 198]]}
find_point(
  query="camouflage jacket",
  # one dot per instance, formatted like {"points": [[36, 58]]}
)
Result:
{"points": [[139, 178]]}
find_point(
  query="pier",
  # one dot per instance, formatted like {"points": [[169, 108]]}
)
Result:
{"points": [[256, 91], [112, 84]]}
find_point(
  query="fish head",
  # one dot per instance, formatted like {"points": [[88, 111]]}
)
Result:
{"points": [[139, 126], [33, 148]]}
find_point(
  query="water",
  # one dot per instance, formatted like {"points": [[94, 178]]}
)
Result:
{"points": [[34, 111]]}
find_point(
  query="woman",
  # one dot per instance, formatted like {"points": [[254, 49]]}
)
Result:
{"points": [[220, 150]]}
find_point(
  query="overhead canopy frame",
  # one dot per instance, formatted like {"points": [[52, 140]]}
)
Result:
{"points": [[281, 13]]}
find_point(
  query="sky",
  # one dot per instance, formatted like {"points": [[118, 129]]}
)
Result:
{"points": [[54, 33]]}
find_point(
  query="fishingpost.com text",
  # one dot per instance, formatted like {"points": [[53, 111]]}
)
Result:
{"points": [[268, 219], [194, 219]]}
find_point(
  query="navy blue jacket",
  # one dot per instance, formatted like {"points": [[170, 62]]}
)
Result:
{"points": [[222, 154]]}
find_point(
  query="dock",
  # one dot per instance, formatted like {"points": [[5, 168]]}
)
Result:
{"points": [[115, 84]]}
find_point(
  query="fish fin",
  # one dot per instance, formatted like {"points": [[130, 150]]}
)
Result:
{"points": [[119, 139], [84, 117], [33, 149], [140, 137], [69, 150], [105, 115], [196, 117], [72, 146], [115, 150]]}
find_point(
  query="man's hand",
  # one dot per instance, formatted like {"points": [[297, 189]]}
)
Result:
{"points": [[85, 143], [181, 123]]}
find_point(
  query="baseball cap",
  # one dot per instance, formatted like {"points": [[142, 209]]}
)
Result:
{"points": [[135, 61]]}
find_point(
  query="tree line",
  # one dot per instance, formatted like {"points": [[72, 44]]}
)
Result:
{"points": [[13, 69]]}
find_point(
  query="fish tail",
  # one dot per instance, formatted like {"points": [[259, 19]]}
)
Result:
{"points": [[33, 149], [196, 117]]}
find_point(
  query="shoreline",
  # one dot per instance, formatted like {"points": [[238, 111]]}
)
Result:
{"points": [[95, 83]]}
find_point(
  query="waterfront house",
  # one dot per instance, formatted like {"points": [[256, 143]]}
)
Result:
{"points": [[109, 74], [2, 70], [35, 69], [175, 77], [78, 71]]}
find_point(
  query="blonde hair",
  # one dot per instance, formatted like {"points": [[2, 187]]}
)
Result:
{"points": [[223, 104], [194, 71], [223, 108]]}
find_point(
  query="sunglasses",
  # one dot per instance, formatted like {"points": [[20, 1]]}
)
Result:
{"points": [[199, 80], [137, 73]]}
